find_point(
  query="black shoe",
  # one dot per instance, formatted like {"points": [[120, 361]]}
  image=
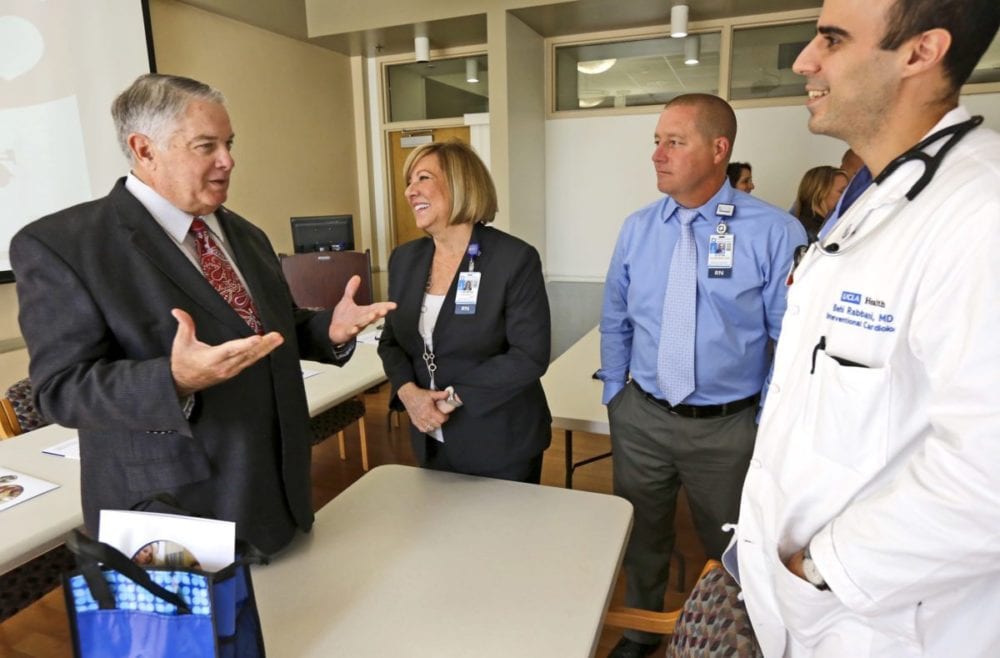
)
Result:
{"points": [[627, 648]]}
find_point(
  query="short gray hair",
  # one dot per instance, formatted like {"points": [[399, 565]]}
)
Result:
{"points": [[153, 104]]}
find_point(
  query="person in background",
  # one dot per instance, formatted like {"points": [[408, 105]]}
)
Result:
{"points": [[869, 519], [693, 299], [158, 322], [819, 191], [860, 178], [740, 176], [467, 346], [850, 163]]}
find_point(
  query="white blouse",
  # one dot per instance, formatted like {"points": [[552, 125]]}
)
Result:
{"points": [[429, 312]]}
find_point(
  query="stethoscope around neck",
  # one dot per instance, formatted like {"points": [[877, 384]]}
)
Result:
{"points": [[931, 164]]}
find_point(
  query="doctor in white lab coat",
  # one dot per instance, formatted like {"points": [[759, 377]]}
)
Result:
{"points": [[870, 516]]}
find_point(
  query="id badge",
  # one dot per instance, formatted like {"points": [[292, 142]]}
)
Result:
{"points": [[720, 256], [467, 293]]}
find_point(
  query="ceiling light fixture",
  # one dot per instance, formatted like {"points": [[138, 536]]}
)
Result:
{"points": [[596, 66], [679, 21], [692, 50], [471, 70], [421, 44]]}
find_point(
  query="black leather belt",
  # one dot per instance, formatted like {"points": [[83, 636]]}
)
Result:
{"points": [[701, 411]]}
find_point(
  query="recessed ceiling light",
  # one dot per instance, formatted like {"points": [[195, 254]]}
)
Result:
{"points": [[596, 66]]}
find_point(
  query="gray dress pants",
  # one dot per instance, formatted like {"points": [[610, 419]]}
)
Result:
{"points": [[655, 451]]}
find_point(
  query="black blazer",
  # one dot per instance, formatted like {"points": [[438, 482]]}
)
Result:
{"points": [[95, 284], [494, 358]]}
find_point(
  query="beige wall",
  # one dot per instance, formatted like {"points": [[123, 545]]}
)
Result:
{"points": [[291, 108], [525, 110], [13, 361]]}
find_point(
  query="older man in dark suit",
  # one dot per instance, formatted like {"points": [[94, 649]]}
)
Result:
{"points": [[160, 325]]}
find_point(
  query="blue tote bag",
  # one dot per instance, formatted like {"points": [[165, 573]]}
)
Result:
{"points": [[118, 609]]}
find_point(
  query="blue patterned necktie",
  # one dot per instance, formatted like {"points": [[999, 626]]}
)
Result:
{"points": [[675, 358]]}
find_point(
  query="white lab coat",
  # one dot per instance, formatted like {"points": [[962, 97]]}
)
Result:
{"points": [[892, 471]]}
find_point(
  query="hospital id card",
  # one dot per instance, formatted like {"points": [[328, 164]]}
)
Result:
{"points": [[720, 256], [468, 293]]}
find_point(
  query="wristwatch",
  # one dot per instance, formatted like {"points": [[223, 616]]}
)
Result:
{"points": [[811, 572], [452, 398]]}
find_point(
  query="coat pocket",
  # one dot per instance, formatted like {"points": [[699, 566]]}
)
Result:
{"points": [[165, 460], [808, 613], [847, 409]]}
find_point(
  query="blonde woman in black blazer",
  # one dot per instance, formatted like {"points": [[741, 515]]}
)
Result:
{"points": [[485, 412]]}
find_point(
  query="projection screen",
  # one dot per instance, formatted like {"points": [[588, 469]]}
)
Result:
{"points": [[62, 62]]}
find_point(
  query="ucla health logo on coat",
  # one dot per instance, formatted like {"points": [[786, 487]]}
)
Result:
{"points": [[850, 297], [864, 312]]}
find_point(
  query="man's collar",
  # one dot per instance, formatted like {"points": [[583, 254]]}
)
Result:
{"points": [[174, 221], [709, 209]]}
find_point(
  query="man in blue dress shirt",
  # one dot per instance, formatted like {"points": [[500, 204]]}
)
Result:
{"points": [[693, 299]]}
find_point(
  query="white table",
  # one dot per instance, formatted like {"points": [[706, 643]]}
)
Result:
{"points": [[418, 563], [40, 524], [335, 384], [574, 396]]}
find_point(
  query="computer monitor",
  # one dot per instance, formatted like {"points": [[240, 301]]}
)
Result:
{"points": [[323, 233]]}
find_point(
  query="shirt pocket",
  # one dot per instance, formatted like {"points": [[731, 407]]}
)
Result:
{"points": [[847, 411]]}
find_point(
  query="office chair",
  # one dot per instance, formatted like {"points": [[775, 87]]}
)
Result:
{"points": [[17, 410], [648, 620], [8, 420], [317, 280], [335, 420]]}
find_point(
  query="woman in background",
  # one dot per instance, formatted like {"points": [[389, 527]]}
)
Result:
{"points": [[470, 337], [819, 191], [740, 176]]}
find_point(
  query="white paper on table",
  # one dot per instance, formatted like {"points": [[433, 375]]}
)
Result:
{"points": [[209, 542], [370, 336], [16, 487], [70, 449]]}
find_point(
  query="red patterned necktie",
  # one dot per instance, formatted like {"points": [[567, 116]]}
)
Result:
{"points": [[222, 276]]}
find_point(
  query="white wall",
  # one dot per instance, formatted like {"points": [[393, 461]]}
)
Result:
{"points": [[598, 170], [777, 142]]}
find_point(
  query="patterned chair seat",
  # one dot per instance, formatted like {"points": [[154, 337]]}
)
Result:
{"points": [[335, 420], [23, 403]]}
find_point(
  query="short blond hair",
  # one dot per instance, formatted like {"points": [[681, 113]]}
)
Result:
{"points": [[473, 194], [813, 190]]}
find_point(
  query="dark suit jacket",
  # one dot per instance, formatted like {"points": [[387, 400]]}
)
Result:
{"points": [[494, 358], [95, 284]]}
